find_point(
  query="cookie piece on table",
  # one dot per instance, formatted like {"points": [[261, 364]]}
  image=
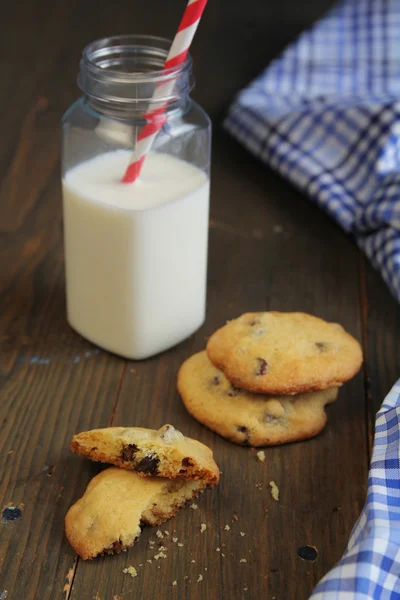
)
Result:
{"points": [[284, 353], [164, 452], [244, 417], [107, 519]]}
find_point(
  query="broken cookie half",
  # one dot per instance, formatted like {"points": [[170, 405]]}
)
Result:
{"points": [[108, 517], [165, 452]]}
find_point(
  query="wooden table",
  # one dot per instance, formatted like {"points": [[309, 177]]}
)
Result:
{"points": [[270, 248]]}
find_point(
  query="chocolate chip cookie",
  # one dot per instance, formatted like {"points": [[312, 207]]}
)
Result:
{"points": [[107, 519], [164, 452], [244, 417], [284, 353]]}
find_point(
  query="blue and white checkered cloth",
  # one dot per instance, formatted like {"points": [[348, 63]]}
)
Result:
{"points": [[326, 116], [370, 567]]}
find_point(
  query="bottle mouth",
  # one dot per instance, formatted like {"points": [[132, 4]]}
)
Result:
{"points": [[126, 68]]}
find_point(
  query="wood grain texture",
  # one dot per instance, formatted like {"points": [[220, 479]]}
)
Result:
{"points": [[270, 248], [381, 331]]}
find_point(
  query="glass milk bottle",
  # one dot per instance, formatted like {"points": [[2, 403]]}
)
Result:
{"points": [[135, 253]]}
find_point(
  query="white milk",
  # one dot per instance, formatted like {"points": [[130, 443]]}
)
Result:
{"points": [[136, 254]]}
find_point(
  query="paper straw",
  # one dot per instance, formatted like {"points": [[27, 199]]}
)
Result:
{"points": [[155, 115]]}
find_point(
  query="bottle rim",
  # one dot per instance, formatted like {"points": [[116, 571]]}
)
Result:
{"points": [[111, 61]]}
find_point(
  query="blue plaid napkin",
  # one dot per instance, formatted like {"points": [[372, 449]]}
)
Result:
{"points": [[326, 116], [370, 567]]}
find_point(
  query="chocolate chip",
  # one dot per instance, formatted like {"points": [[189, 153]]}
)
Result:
{"points": [[233, 391], [322, 347], [262, 366], [11, 513], [187, 462], [254, 322], [308, 553], [115, 547], [244, 430], [216, 380], [148, 465], [128, 452]]}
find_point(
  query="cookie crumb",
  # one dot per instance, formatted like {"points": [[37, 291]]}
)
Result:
{"points": [[151, 542], [274, 490], [174, 539], [194, 506], [159, 534], [243, 560], [180, 544], [203, 527], [149, 560], [160, 555], [261, 456], [218, 549], [200, 578], [193, 561], [166, 532], [131, 570], [222, 554], [235, 517], [227, 528], [242, 533], [185, 577], [175, 582]]}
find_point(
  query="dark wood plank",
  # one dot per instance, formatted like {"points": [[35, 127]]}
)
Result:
{"points": [[53, 383], [310, 265], [381, 315], [51, 380]]}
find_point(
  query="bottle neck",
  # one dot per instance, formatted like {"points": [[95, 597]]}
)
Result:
{"points": [[122, 77]]}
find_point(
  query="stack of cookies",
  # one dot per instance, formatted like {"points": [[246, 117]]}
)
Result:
{"points": [[265, 378], [155, 473]]}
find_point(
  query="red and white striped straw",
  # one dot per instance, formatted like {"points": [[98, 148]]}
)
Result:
{"points": [[155, 115]]}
